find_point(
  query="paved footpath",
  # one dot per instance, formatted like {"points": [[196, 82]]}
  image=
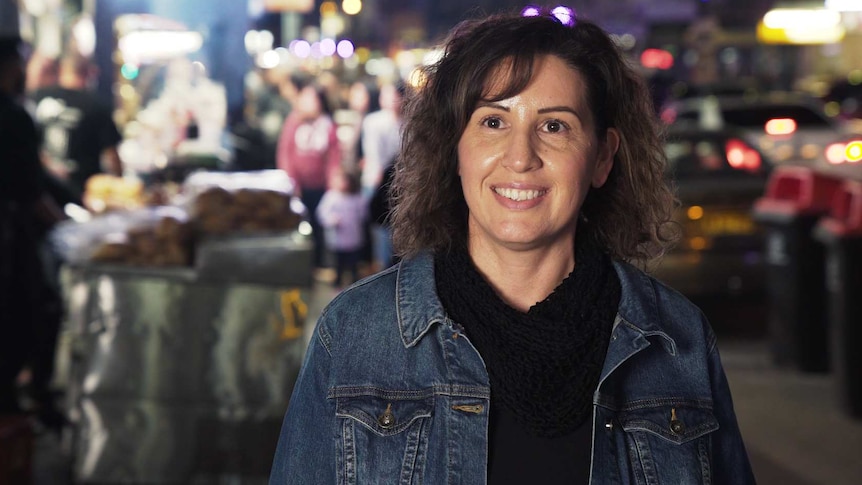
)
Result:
{"points": [[793, 425]]}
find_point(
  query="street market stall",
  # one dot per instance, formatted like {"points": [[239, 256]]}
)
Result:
{"points": [[185, 329]]}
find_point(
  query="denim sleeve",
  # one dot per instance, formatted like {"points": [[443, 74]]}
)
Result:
{"points": [[730, 460], [306, 446]]}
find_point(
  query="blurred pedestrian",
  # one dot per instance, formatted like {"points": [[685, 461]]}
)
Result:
{"points": [[381, 141], [358, 104], [380, 208], [308, 151], [79, 136], [42, 71], [26, 212], [381, 136], [342, 213], [514, 343]]}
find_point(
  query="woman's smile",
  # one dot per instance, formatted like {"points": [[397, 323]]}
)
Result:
{"points": [[519, 195]]}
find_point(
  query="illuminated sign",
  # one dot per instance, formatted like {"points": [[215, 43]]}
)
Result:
{"points": [[844, 5], [302, 6], [800, 26]]}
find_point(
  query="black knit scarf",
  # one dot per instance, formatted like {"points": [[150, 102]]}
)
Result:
{"points": [[544, 365]]}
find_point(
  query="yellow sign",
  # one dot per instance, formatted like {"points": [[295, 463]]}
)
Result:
{"points": [[293, 313]]}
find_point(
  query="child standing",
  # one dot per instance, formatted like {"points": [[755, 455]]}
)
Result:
{"points": [[342, 213]]}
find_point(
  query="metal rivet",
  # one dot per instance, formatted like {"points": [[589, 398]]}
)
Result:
{"points": [[676, 426], [387, 419], [609, 425]]}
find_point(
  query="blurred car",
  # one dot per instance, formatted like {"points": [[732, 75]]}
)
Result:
{"points": [[718, 176], [844, 98], [788, 128]]}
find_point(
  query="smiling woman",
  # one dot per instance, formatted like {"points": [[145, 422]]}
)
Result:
{"points": [[526, 165], [514, 343]]}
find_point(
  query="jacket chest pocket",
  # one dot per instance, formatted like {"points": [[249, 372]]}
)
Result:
{"points": [[669, 444], [383, 440]]}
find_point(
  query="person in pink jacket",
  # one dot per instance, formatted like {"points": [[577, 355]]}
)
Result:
{"points": [[308, 151]]}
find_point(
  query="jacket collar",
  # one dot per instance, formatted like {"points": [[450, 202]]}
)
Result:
{"points": [[638, 318], [417, 304], [639, 306]]}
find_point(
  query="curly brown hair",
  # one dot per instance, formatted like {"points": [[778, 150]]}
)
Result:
{"points": [[629, 215]]}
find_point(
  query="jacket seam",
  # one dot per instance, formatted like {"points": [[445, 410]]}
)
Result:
{"points": [[457, 391]]}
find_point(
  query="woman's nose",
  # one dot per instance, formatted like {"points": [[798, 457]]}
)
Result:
{"points": [[521, 154]]}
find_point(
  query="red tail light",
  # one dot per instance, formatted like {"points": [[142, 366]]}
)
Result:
{"points": [[668, 115], [741, 156]]}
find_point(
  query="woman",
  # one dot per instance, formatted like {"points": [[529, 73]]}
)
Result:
{"points": [[308, 151], [513, 343]]}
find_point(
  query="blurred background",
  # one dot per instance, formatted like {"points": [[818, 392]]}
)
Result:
{"points": [[187, 273]]}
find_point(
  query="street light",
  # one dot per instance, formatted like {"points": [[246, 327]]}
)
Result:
{"points": [[351, 7]]}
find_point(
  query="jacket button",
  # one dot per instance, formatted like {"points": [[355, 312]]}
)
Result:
{"points": [[387, 419]]}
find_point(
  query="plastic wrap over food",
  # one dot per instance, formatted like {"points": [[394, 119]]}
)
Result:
{"points": [[241, 203], [273, 180], [113, 235]]}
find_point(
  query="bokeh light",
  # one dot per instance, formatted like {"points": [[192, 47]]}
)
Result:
{"points": [[344, 48], [300, 48], [327, 47], [351, 7]]}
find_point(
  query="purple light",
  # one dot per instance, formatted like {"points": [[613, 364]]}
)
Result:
{"points": [[530, 11], [345, 48], [564, 14], [315, 50], [327, 47], [300, 48]]}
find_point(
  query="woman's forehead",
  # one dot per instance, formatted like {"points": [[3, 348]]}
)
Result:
{"points": [[506, 76]]}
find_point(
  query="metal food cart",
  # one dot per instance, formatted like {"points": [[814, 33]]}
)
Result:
{"points": [[183, 375]]}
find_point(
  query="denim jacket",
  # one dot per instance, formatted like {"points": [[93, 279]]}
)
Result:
{"points": [[392, 391]]}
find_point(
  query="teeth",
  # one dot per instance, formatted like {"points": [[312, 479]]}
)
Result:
{"points": [[518, 195]]}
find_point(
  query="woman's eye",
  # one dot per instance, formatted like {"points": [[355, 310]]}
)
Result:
{"points": [[492, 122], [555, 126]]}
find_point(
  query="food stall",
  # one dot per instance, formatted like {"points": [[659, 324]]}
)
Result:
{"points": [[186, 325]]}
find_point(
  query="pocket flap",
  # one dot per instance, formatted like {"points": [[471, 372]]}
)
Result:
{"points": [[677, 424], [384, 416]]}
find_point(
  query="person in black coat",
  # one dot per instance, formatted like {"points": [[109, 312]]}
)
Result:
{"points": [[26, 213]]}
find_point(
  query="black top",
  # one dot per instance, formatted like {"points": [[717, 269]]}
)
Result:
{"points": [[20, 170], [543, 365], [76, 128], [519, 457]]}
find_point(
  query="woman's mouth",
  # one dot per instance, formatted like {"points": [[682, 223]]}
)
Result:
{"points": [[519, 195]]}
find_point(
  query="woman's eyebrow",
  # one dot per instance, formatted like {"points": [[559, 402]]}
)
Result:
{"points": [[488, 104], [550, 109], [554, 109]]}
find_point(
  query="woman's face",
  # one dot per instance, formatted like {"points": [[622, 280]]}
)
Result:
{"points": [[308, 103], [527, 162]]}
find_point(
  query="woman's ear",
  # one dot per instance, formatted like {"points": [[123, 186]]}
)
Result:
{"points": [[605, 158]]}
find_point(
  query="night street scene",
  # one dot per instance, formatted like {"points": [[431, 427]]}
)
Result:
{"points": [[427, 241]]}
